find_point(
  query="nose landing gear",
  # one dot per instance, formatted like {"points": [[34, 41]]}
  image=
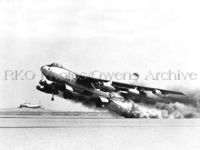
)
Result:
{"points": [[52, 98]]}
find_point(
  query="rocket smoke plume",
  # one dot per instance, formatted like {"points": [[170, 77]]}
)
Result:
{"points": [[185, 107]]}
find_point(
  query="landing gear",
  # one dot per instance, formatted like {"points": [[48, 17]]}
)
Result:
{"points": [[52, 98]]}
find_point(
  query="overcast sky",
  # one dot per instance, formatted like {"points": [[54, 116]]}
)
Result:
{"points": [[88, 35]]}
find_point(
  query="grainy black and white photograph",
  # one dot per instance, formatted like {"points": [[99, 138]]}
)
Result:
{"points": [[99, 75]]}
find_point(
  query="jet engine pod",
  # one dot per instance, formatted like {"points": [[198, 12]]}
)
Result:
{"points": [[134, 91], [108, 87], [157, 92]]}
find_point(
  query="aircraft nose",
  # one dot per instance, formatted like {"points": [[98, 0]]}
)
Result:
{"points": [[44, 70]]}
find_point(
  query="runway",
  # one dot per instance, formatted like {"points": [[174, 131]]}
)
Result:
{"points": [[96, 132]]}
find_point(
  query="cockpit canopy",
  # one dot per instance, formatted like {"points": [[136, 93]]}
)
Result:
{"points": [[56, 65]]}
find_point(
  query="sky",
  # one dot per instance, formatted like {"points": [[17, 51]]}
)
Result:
{"points": [[147, 37]]}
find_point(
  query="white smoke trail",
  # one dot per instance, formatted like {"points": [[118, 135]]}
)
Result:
{"points": [[130, 109], [158, 110], [188, 108]]}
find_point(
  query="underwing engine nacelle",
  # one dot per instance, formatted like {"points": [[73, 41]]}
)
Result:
{"points": [[158, 93], [108, 87], [46, 87], [134, 91]]}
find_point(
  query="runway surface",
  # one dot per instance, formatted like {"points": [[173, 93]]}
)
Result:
{"points": [[97, 132]]}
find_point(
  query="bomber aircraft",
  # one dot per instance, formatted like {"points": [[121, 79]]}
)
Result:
{"points": [[98, 92]]}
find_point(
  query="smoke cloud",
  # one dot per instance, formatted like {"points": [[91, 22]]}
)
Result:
{"points": [[187, 107]]}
